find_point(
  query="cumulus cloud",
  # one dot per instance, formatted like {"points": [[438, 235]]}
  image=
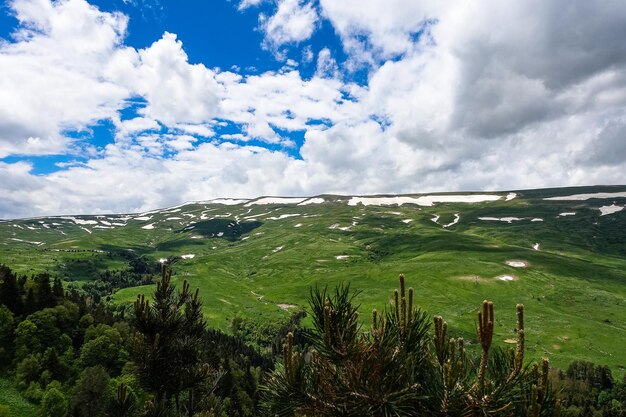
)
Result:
{"points": [[175, 91], [53, 75], [373, 30], [459, 96], [293, 22]]}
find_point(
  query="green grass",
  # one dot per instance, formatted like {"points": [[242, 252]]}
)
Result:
{"points": [[10, 397], [574, 288]]}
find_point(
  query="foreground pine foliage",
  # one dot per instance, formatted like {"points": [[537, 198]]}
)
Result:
{"points": [[399, 366]]}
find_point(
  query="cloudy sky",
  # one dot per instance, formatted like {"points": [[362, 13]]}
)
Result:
{"points": [[127, 105]]}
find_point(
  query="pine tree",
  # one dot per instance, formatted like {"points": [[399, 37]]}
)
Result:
{"points": [[398, 368], [168, 345]]}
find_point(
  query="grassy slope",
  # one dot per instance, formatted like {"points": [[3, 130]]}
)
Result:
{"points": [[574, 288], [10, 396]]}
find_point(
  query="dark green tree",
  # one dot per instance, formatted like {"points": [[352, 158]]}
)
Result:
{"points": [[168, 348], [10, 294], [54, 403], [45, 297], [26, 340], [398, 368], [7, 328], [51, 363], [90, 391], [57, 290]]}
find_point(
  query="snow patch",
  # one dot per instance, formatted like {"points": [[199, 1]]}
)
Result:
{"points": [[148, 226], [342, 256], [567, 213], [298, 225], [506, 278], [605, 210], [188, 256], [427, 200], [536, 246], [510, 196], [500, 219], [316, 200], [143, 218], [515, 263], [407, 221], [79, 221], [537, 219], [227, 201], [275, 200], [26, 241], [278, 248], [580, 197], [283, 216]]}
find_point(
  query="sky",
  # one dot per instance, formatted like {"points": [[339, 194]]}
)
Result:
{"points": [[115, 106]]}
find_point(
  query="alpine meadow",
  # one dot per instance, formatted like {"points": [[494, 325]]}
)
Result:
{"points": [[312, 208]]}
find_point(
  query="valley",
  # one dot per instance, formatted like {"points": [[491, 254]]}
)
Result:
{"points": [[560, 252]]}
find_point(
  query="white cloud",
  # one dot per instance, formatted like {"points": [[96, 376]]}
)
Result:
{"points": [[244, 4], [283, 100], [492, 96], [52, 76], [293, 22], [176, 91], [326, 64], [377, 29]]}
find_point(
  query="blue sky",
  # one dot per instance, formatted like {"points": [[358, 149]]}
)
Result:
{"points": [[217, 34], [126, 105]]}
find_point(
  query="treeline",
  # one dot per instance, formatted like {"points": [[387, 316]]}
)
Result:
{"points": [[140, 270], [73, 355]]}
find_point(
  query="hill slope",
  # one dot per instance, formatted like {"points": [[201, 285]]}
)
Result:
{"points": [[561, 252]]}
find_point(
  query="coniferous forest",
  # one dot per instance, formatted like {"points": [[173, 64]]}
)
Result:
{"points": [[65, 352]]}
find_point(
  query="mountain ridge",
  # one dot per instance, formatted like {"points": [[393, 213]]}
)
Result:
{"points": [[222, 200]]}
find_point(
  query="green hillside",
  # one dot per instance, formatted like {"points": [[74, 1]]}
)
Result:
{"points": [[258, 259]]}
